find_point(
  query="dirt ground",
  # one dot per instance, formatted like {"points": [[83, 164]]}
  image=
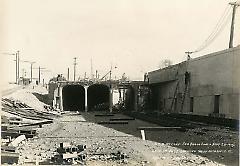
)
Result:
{"points": [[205, 145], [101, 141], [217, 143]]}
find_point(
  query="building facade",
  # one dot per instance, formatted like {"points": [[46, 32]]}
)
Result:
{"points": [[208, 85]]}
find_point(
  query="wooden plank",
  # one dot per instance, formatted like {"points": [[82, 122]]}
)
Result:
{"points": [[8, 148], [113, 122], [104, 115], [27, 108], [5, 134], [121, 119], [38, 123], [22, 131], [159, 128], [9, 157]]}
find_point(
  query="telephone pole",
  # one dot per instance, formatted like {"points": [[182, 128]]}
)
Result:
{"points": [[39, 73], [68, 74], [234, 6], [18, 67], [74, 70], [91, 70], [32, 69]]}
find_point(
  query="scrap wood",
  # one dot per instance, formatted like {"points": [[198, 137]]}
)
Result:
{"points": [[8, 148], [22, 131], [18, 140], [104, 114], [20, 114], [158, 128], [38, 123], [6, 134], [121, 119], [113, 122], [9, 157]]}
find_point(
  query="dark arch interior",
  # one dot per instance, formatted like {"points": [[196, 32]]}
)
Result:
{"points": [[130, 99], [98, 97], [73, 98]]}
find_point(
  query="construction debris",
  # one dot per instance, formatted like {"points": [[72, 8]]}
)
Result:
{"points": [[159, 128], [69, 154], [113, 122], [9, 157], [104, 115], [17, 116], [18, 140], [121, 119]]}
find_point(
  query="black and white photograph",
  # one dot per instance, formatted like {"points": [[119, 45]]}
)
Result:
{"points": [[120, 82]]}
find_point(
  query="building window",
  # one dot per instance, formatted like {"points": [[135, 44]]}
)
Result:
{"points": [[191, 104], [216, 104]]}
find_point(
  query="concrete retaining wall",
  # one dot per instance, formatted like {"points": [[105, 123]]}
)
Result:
{"points": [[216, 74]]}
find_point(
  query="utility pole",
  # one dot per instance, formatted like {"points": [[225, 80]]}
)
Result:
{"points": [[16, 55], [18, 67], [39, 75], [68, 74], [234, 5], [91, 70], [85, 75], [32, 69], [74, 70]]}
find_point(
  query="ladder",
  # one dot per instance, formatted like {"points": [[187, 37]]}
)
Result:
{"points": [[175, 91], [186, 88]]}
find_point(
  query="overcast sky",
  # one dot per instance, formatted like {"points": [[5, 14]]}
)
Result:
{"points": [[134, 35]]}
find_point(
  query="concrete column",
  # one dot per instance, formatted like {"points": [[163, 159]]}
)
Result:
{"points": [[86, 88], [136, 98], [110, 99], [61, 98]]}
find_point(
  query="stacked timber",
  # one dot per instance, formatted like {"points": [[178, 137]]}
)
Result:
{"points": [[19, 123]]}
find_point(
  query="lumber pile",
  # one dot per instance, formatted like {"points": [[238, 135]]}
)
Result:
{"points": [[19, 123]]}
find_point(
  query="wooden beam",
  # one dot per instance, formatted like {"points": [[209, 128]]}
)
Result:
{"points": [[8, 148], [104, 115], [113, 122], [158, 128], [121, 119], [38, 123], [9, 157], [5, 134]]}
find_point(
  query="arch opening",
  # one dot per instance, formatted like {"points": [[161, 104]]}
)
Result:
{"points": [[73, 98], [130, 99], [98, 97]]}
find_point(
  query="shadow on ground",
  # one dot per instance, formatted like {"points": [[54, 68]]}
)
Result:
{"points": [[43, 98], [215, 143]]}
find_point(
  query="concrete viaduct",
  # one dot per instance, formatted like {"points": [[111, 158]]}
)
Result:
{"points": [[84, 96]]}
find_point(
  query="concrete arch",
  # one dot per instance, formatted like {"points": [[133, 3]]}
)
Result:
{"points": [[73, 98], [130, 99], [98, 97]]}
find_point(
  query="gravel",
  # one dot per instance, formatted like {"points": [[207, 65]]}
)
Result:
{"points": [[101, 142]]}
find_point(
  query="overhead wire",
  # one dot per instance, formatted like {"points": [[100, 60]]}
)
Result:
{"points": [[224, 19]]}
